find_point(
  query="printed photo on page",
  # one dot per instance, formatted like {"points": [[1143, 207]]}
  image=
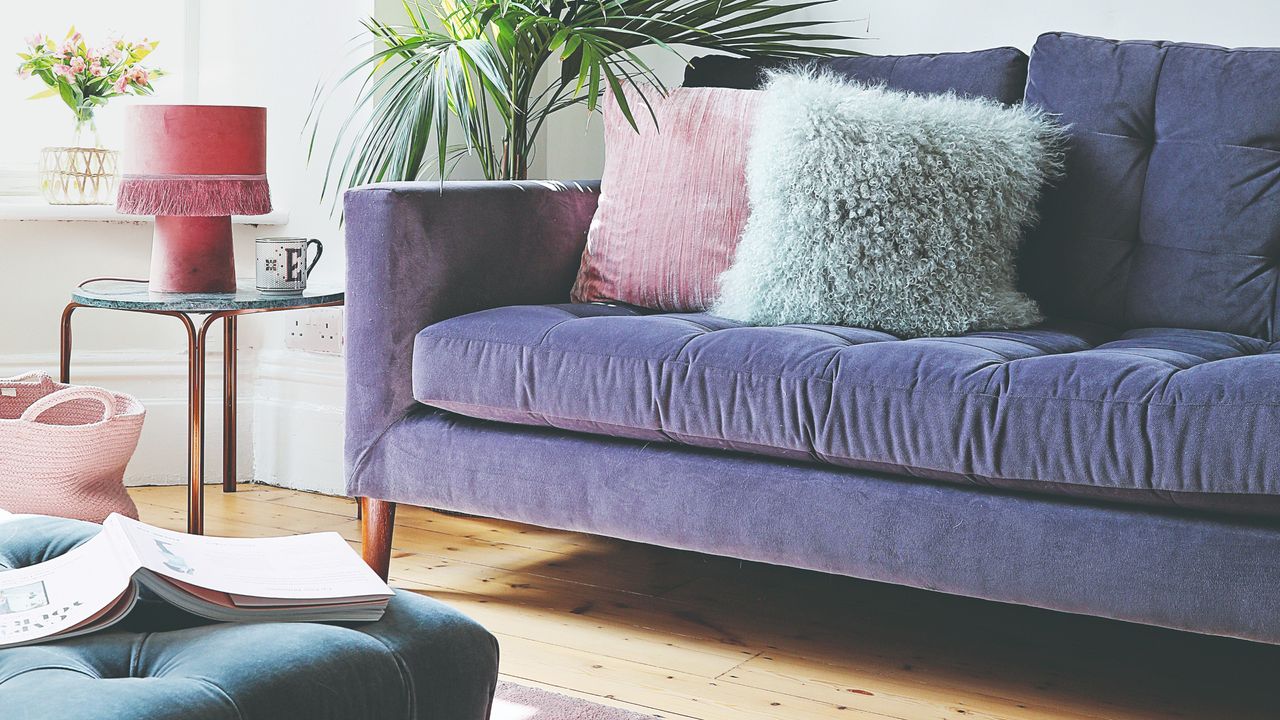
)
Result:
{"points": [[63, 594]]}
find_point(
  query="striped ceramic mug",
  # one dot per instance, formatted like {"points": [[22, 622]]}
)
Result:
{"points": [[282, 267]]}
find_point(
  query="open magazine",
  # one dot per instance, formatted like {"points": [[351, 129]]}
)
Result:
{"points": [[315, 577]]}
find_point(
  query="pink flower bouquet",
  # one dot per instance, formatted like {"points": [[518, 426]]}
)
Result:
{"points": [[86, 76]]}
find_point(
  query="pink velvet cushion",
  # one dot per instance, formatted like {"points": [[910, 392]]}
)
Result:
{"points": [[673, 200]]}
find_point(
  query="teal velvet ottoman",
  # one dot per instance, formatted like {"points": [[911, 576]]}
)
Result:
{"points": [[421, 661]]}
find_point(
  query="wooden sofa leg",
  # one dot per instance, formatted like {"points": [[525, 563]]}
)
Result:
{"points": [[378, 519]]}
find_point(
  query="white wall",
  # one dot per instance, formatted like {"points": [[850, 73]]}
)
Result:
{"points": [[274, 54], [913, 26], [268, 53]]}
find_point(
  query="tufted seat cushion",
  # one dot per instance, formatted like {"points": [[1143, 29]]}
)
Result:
{"points": [[422, 660], [1164, 416]]}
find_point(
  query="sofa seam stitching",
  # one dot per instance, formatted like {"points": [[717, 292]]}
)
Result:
{"points": [[206, 681], [1117, 241], [1178, 141], [405, 677], [1199, 47], [547, 419], [823, 458], [357, 469], [68, 668], [1142, 196], [860, 386], [1274, 332], [135, 654]]}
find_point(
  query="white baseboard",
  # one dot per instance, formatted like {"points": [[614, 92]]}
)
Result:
{"points": [[159, 380], [298, 420], [290, 428]]}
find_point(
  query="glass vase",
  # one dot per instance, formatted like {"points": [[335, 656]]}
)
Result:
{"points": [[83, 173]]}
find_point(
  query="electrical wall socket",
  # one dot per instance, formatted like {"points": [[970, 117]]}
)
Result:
{"points": [[318, 331]]}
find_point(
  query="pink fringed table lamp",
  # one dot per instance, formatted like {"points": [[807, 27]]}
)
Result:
{"points": [[193, 166]]}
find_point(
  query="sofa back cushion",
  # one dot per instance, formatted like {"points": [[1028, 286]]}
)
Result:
{"points": [[996, 74], [1169, 212]]}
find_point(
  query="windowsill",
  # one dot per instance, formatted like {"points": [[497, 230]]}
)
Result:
{"points": [[29, 208]]}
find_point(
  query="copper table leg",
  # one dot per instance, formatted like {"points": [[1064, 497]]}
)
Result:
{"points": [[229, 403], [195, 427], [64, 345], [195, 517]]}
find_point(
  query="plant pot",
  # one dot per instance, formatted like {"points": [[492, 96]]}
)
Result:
{"points": [[78, 175]]}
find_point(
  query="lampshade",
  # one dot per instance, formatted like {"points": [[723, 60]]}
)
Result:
{"points": [[193, 166], [194, 160]]}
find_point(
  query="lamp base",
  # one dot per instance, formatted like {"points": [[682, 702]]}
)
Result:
{"points": [[193, 255]]}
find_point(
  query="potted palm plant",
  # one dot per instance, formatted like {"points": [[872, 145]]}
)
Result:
{"points": [[482, 67]]}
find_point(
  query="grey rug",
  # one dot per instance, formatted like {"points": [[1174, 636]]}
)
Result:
{"points": [[518, 702]]}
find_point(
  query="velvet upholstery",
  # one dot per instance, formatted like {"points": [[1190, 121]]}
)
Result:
{"points": [[1161, 414], [1168, 210], [421, 661], [1177, 569], [997, 73], [418, 253], [421, 254]]}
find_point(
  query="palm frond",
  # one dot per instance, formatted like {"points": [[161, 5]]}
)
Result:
{"points": [[474, 68]]}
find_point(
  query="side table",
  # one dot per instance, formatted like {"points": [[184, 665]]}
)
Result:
{"points": [[134, 296]]}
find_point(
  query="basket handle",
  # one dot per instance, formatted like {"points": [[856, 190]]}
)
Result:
{"points": [[33, 376], [79, 392]]}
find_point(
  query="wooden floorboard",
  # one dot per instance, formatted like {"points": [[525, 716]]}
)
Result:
{"points": [[684, 635]]}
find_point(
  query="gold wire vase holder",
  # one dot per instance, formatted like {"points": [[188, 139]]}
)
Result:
{"points": [[78, 175]]}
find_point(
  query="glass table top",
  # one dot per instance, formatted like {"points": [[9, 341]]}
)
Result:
{"points": [[121, 294]]}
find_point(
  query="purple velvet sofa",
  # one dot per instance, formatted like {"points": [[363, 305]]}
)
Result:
{"points": [[1122, 460]]}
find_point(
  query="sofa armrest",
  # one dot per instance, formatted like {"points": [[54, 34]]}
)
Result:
{"points": [[418, 253]]}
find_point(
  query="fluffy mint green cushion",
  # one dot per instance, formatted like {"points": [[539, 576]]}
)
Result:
{"points": [[881, 209]]}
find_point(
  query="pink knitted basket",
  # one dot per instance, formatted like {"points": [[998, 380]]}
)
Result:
{"points": [[64, 448]]}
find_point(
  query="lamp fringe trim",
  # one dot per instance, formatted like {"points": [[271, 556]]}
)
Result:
{"points": [[194, 195]]}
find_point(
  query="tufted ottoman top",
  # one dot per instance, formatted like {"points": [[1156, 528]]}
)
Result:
{"points": [[421, 660]]}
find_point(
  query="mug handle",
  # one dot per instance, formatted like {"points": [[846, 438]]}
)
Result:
{"points": [[319, 252]]}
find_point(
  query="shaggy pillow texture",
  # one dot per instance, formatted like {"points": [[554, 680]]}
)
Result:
{"points": [[881, 209], [673, 199]]}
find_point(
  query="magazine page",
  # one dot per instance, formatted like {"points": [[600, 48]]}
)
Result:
{"points": [[314, 566], [64, 593]]}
